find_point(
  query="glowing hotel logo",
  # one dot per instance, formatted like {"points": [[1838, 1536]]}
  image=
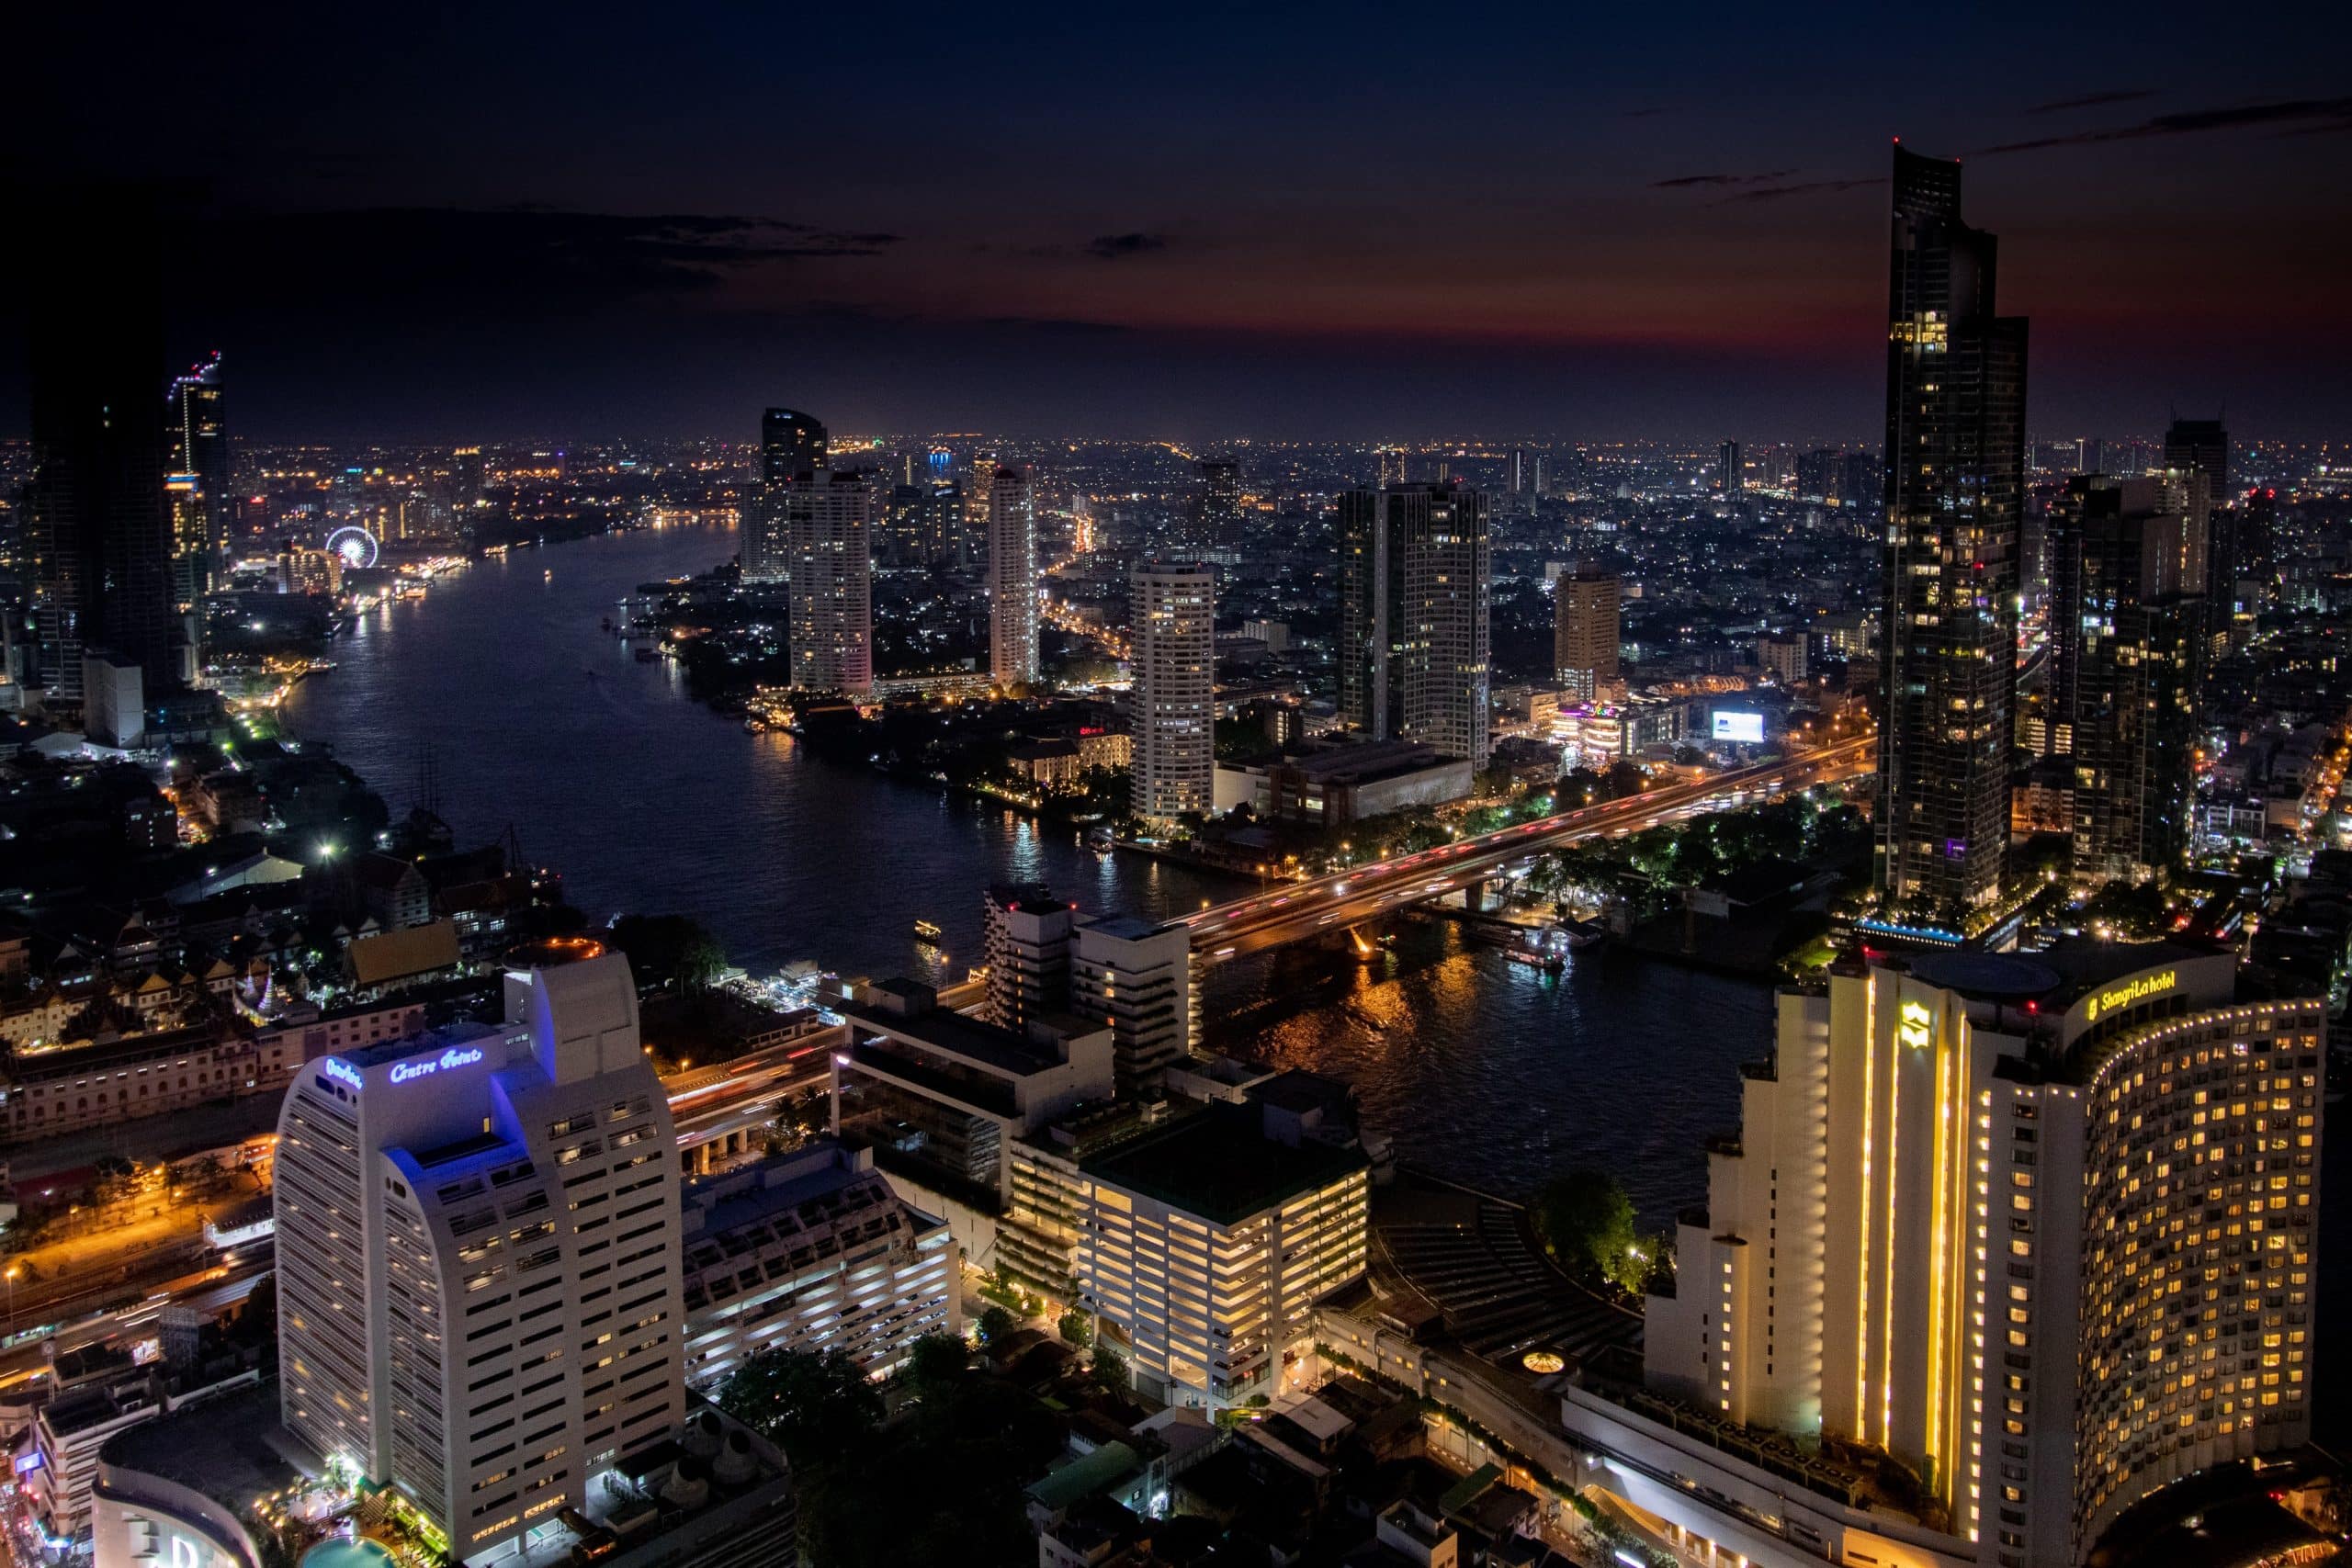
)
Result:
{"points": [[342, 1072], [2134, 990], [1912, 1026], [405, 1072]]}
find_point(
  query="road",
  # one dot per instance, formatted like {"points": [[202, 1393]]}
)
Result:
{"points": [[1294, 910]]}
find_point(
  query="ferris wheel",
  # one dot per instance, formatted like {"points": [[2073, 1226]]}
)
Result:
{"points": [[355, 546]]}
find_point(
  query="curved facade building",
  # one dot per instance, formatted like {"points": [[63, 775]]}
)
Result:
{"points": [[2040, 1229]]}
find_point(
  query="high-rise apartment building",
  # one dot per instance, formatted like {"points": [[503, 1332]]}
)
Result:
{"points": [[98, 534], [1136, 976], [828, 518], [1586, 630], [1220, 504], [1012, 579], [1024, 935], [197, 480], [792, 446], [2201, 446], [2042, 1229], [1173, 655], [924, 527], [1731, 469], [1517, 471], [2126, 626], [1414, 616], [1955, 476], [478, 1257]]}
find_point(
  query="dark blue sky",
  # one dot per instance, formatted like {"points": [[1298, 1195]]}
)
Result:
{"points": [[1205, 222]]}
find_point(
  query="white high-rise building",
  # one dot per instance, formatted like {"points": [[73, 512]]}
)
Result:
{"points": [[1136, 976], [1174, 659], [1012, 579], [828, 521], [478, 1257], [2042, 1230]]}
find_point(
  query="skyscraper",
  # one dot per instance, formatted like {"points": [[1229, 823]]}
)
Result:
{"points": [[1955, 476], [99, 534], [1517, 471], [478, 1257], [1012, 579], [792, 446], [1220, 504], [1414, 616], [2201, 446], [828, 518], [1586, 630], [198, 481], [2127, 622], [1731, 473], [1174, 658], [2042, 1229]]}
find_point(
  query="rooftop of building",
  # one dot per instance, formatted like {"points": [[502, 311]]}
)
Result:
{"points": [[231, 1448], [1219, 1164], [919, 1019], [1363, 762], [827, 1175], [1125, 928], [463, 1032]]}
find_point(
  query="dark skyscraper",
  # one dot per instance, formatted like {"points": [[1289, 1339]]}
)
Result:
{"points": [[2201, 446], [1731, 472], [1413, 616], [2127, 618], [1220, 504], [198, 479], [792, 446], [1955, 476], [100, 529]]}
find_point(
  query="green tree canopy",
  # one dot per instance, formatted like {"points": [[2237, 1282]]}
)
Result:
{"points": [[1586, 1220], [810, 1403]]}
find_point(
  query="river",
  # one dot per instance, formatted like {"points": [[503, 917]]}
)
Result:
{"points": [[537, 718]]}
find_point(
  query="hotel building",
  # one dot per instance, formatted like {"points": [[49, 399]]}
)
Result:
{"points": [[2040, 1229], [478, 1258]]}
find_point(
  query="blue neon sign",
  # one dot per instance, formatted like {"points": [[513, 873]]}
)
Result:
{"points": [[406, 1072], [342, 1072]]}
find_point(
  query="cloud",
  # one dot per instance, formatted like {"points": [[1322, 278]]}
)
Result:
{"points": [[1807, 188], [1680, 181], [1116, 248], [2300, 115], [2094, 100]]}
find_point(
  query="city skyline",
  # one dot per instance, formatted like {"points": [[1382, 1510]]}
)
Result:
{"points": [[1187, 237]]}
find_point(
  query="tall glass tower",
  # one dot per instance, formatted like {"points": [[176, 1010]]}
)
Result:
{"points": [[1955, 476]]}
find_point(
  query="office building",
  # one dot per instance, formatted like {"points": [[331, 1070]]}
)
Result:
{"points": [[1197, 1240], [1136, 976], [478, 1257], [1731, 471], [1586, 613], [1517, 471], [1173, 655], [1414, 616], [941, 1097], [99, 525], [1955, 455], [1220, 504], [828, 517], [2042, 1230], [1012, 579], [792, 446], [2127, 628], [198, 479], [924, 527], [1024, 938], [812, 1252]]}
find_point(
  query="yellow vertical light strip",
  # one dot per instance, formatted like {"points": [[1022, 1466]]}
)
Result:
{"points": [[1862, 1262], [1886, 1320], [1938, 1230]]}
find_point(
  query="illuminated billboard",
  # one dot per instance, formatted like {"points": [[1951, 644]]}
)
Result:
{"points": [[1747, 727]]}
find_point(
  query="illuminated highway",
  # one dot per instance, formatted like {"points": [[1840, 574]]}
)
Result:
{"points": [[1294, 910]]}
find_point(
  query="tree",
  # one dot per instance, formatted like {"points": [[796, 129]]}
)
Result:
{"points": [[1075, 1328], [1109, 1369], [935, 1362], [997, 1323], [668, 950], [1586, 1220], [810, 1403]]}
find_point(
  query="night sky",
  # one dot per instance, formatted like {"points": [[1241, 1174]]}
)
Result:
{"points": [[1199, 222]]}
